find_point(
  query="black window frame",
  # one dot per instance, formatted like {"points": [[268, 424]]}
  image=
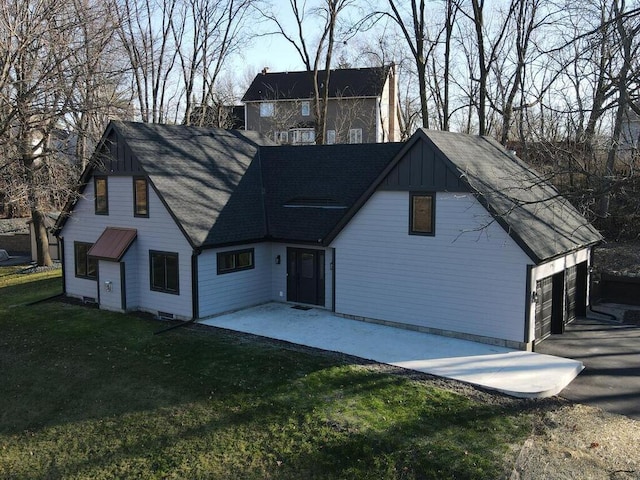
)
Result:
{"points": [[164, 288], [235, 255], [136, 212], [412, 230], [97, 209], [82, 249]]}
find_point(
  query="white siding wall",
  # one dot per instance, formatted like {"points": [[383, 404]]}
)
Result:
{"points": [[110, 272], [158, 232], [132, 280], [472, 282], [235, 290]]}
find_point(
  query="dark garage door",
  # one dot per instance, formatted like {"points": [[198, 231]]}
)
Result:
{"points": [[544, 307], [561, 298]]}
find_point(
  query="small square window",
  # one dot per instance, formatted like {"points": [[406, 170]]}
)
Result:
{"points": [[267, 109], [140, 197], [422, 214], [305, 109], [86, 266], [355, 135], [102, 195]]}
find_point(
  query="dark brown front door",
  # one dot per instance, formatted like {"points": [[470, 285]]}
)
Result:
{"points": [[305, 276]]}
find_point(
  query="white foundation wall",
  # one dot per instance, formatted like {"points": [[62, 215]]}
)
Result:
{"points": [[158, 232], [468, 278]]}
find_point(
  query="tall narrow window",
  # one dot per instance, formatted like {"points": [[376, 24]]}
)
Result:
{"points": [[140, 197], [331, 137], [422, 214], [164, 272], [102, 195], [86, 267], [305, 109]]}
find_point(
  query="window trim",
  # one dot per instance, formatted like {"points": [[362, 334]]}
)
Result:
{"points": [[331, 137], [236, 254], [87, 259], [431, 195], [357, 132], [269, 109], [135, 197], [96, 179], [164, 289], [305, 108]]}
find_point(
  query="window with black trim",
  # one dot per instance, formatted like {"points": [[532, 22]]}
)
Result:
{"points": [[140, 197], [422, 213], [235, 261], [163, 267], [86, 266], [102, 195]]}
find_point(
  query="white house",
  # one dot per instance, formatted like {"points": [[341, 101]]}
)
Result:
{"points": [[446, 233]]}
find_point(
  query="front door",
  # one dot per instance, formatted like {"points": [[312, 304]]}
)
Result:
{"points": [[305, 276]]}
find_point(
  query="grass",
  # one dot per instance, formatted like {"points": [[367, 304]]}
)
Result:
{"points": [[91, 394]]}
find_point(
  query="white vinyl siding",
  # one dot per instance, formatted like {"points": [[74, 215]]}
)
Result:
{"points": [[470, 277], [157, 232], [234, 290], [110, 272]]}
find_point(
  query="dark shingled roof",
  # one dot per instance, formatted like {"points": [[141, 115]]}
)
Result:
{"points": [[525, 203], [229, 187], [205, 176], [309, 189], [347, 82]]}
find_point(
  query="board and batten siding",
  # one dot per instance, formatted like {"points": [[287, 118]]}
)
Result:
{"points": [[234, 290], [469, 278], [158, 232]]}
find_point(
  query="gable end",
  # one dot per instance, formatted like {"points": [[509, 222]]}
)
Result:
{"points": [[423, 168]]}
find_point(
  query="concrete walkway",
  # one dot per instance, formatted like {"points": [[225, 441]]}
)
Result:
{"points": [[516, 373]]}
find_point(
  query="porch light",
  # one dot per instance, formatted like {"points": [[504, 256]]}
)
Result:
{"points": [[277, 259]]}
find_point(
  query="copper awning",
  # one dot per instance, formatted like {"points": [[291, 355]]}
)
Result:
{"points": [[113, 243]]}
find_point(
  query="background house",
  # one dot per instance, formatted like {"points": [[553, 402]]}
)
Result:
{"points": [[445, 233], [362, 106]]}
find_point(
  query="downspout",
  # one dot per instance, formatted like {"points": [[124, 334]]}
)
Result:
{"points": [[529, 300], [63, 263]]}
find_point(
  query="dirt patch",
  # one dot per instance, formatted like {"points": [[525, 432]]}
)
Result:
{"points": [[580, 442]]}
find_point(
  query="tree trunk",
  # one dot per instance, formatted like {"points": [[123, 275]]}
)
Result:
{"points": [[41, 236]]}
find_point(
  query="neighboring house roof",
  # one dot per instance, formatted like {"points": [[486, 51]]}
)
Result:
{"points": [[347, 82], [229, 187], [524, 202]]}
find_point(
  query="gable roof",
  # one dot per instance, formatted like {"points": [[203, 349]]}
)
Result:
{"points": [[531, 210], [347, 82], [228, 187]]}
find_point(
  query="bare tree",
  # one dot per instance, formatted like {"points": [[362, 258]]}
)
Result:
{"points": [[38, 79], [316, 57]]}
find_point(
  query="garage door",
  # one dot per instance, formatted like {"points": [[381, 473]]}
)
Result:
{"points": [[560, 299], [544, 307], [576, 292]]}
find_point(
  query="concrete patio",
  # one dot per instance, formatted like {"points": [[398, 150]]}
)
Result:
{"points": [[514, 372]]}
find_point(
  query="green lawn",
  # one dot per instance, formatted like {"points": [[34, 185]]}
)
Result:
{"points": [[90, 394]]}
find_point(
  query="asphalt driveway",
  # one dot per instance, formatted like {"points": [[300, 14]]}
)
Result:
{"points": [[610, 353]]}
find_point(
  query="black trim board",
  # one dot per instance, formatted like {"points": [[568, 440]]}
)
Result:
{"points": [[123, 287], [195, 290]]}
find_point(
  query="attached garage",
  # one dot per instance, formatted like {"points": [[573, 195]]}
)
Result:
{"points": [[559, 299]]}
